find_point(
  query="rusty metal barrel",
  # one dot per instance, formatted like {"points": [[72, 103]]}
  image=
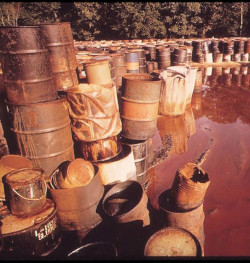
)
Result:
{"points": [[126, 202], [140, 96], [71, 51], [78, 212], [163, 57], [140, 151], [141, 59], [26, 67], [132, 62], [98, 72], [25, 191], [43, 133], [119, 68], [35, 235], [172, 242], [190, 220], [57, 44]]}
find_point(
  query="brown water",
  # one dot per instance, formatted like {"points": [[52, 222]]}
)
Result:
{"points": [[220, 121]]}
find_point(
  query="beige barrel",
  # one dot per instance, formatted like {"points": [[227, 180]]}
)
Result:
{"points": [[120, 168]]}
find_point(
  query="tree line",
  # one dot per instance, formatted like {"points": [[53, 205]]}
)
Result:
{"points": [[134, 20]]}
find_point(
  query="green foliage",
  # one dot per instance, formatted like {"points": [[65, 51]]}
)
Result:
{"points": [[130, 20]]}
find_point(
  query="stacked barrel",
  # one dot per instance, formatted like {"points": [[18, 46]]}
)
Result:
{"points": [[39, 119], [163, 56], [182, 205], [198, 55], [140, 96]]}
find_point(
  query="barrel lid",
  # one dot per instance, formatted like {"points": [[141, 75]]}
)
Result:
{"points": [[12, 224], [171, 242], [24, 176]]}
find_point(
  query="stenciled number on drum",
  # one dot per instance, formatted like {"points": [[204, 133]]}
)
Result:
{"points": [[45, 230]]}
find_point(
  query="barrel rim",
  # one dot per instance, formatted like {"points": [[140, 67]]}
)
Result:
{"points": [[8, 175]]}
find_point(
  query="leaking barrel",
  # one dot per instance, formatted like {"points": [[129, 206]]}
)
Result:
{"points": [[57, 44], [43, 133], [139, 105], [26, 68]]}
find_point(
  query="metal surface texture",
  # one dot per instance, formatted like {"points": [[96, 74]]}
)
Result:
{"points": [[36, 235], [100, 150], [25, 191], [190, 220], [141, 87], [26, 67], [43, 133], [57, 44], [134, 206], [79, 210]]}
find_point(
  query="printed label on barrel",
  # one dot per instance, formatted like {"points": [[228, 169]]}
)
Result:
{"points": [[46, 229]]}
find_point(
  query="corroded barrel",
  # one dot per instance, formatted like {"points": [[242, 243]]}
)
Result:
{"points": [[26, 68], [43, 133], [139, 105], [57, 44]]}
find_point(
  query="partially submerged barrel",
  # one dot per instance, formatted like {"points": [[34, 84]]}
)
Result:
{"points": [[78, 211], [43, 133], [190, 220], [57, 44], [140, 151], [35, 235], [26, 67], [139, 105]]}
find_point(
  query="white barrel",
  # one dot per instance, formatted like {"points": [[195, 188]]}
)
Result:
{"points": [[121, 168]]}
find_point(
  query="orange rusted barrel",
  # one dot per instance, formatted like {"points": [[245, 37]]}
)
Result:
{"points": [[189, 186], [71, 51], [57, 44], [132, 62], [9, 163], [78, 212], [190, 220], [25, 191], [34, 235], [140, 96], [126, 202], [26, 68], [43, 133], [98, 72], [99, 150]]}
